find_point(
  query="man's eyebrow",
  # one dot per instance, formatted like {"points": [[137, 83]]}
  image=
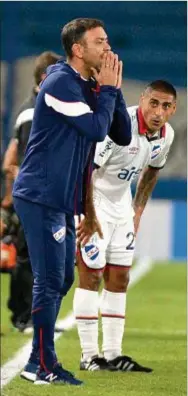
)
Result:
{"points": [[157, 100], [102, 38]]}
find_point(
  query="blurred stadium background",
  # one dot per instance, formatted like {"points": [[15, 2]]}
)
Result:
{"points": [[150, 37]]}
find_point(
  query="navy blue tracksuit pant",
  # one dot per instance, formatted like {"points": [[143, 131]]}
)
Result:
{"points": [[50, 237]]}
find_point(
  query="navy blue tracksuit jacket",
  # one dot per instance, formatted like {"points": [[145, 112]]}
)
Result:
{"points": [[70, 115]]}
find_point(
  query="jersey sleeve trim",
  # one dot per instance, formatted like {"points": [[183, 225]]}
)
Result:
{"points": [[70, 109], [156, 167], [24, 116]]}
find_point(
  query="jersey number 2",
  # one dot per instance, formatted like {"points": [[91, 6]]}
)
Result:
{"points": [[130, 237]]}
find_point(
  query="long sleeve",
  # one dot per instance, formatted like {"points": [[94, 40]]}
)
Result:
{"points": [[65, 97], [120, 131]]}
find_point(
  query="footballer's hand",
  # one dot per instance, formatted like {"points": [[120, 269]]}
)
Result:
{"points": [[119, 77], [85, 230], [108, 74]]}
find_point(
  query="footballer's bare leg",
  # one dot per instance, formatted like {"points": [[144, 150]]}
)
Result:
{"points": [[113, 312], [86, 306]]}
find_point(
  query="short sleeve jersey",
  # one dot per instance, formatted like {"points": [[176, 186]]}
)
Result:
{"points": [[118, 166]]}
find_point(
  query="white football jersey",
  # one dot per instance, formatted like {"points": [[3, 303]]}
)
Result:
{"points": [[118, 166]]}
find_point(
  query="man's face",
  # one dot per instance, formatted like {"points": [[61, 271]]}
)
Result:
{"points": [[157, 107], [94, 45]]}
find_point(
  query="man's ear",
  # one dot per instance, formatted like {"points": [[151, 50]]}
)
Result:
{"points": [[43, 76], [174, 108], [77, 50]]}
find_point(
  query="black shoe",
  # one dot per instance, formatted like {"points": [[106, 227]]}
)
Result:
{"points": [[125, 363], [97, 363]]}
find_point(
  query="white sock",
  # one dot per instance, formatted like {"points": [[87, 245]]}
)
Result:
{"points": [[113, 306], [86, 305]]}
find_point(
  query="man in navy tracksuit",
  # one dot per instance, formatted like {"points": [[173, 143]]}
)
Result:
{"points": [[70, 117]]}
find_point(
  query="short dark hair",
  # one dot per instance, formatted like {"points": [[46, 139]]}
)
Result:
{"points": [[42, 61], [73, 32], [162, 86]]}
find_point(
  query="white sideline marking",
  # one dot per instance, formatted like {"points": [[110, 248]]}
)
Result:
{"points": [[140, 269], [13, 366]]}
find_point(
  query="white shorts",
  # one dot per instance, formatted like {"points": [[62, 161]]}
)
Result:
{"points": [[117, 247]]}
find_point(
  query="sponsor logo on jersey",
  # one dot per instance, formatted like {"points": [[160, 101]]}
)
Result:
{"points": [[133, 150], [59, 233], [92, 251], [107, 147], [129, 174], [155, 151]]}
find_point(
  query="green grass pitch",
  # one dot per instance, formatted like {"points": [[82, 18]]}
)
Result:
{"points": [[155, 335]]}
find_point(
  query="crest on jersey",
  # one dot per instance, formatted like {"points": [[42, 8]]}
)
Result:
{"points": [[155, 151], [59, 233]]}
